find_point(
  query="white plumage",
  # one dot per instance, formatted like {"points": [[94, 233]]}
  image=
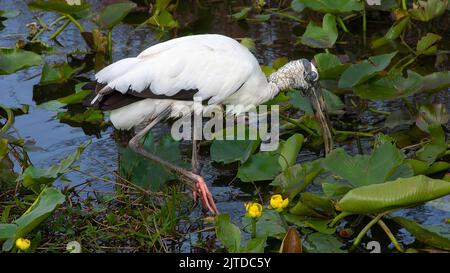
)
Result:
{"points": [[220, 68]]}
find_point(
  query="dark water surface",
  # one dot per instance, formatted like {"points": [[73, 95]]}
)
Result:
{"points": [[273, 39]]}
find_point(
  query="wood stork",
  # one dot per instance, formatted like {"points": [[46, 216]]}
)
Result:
{"points": [[215, 68]]}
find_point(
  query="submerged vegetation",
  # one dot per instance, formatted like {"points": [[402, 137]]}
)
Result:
{"points": [[387, 160]]}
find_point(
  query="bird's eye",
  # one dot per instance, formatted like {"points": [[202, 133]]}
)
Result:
{"points": [[311, 76]]}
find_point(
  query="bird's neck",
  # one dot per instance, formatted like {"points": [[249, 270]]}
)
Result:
{"points": [[282, 79]]}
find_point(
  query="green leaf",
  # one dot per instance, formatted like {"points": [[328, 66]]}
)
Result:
{"points": [[8, 231], [426, 44], [297, 5], [248, 43], [322, 243], [427, 10], [57, 73], [12, 60], [329, 66], [163, 20], [146, 173], [228, 234], [335, 189], [392, 86], [361, 170], [422, 167], [242, 14], [227, 151], [432, 114], [33, 175], [255, 245], [113, 14], [91, 115], [268, 225], [289, 150], [279, 62], [436, 81], [59, 6], [332, 101], [361, 72], [8, 14], [43, 206], [393, 33], [425, 235], [321, 36], [3, 147], [437, 147], [295, 179], [401, 193], [260, 167], [301, 102], [314, 205], [332, 6], [318, 224]]}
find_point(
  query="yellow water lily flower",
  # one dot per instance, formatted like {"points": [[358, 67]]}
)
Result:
{"points": [[254, 210], [23, 244], [278, 203]]}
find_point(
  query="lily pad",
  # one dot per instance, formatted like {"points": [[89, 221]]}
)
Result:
{"points": [[332, 6], [426, 44], [295, 179], [57, 73], [403, 192], [391, 86], [361, 72], [13, 60], [361, 170], [146, 173], [427, 10], [60, 6], [227, 151], [33, 175], [321, 36], [260, 167], [425, 234], [323, 243], [113, 14], [329, 66], [228, 234]]}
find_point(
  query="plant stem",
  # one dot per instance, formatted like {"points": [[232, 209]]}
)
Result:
{"points": [[342, 24], [364, 24], [253, 228], [9, 119], [283, 221], [390, 235], [404, 4], [297, 123], [361, 134], [408, 104], [376, 111], [364, 231], [110, 45], [79, 26], [339, 217], [59, 30]]}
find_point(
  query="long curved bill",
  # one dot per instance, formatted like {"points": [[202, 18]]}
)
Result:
{"points": [[320, 110]]}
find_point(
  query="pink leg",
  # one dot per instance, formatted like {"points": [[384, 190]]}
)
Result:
{"points": [[205, 194]]}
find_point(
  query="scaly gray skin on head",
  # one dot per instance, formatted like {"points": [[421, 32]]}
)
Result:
{"points": [[302, 74]]}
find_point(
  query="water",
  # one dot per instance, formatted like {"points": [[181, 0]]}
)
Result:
{"points": [[273, 40]]}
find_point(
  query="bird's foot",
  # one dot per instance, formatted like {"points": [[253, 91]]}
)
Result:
{"points": [[205, 195]]}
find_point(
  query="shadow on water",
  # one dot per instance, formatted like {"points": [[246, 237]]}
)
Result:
{"points": [[273, 39]]}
